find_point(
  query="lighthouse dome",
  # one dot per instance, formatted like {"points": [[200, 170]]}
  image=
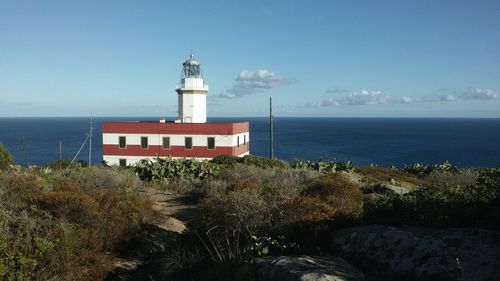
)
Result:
{"points": [[191, 61], [191, 68]]}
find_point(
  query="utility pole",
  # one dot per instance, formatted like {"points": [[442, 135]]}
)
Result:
{"points": [[90, 143], [271, 148], [24, 149], [60, 154]]}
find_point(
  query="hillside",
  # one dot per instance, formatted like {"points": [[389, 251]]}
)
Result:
{"points": [[248, 219]]}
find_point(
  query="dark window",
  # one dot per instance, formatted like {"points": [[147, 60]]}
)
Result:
{"points": [[211, 143], [238, 141], [244, 139], [144, 142], [123, 162], [188, 143], [123, 142], [166, 142]]}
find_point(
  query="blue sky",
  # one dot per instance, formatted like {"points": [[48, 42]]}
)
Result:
{"points": [[315, 58]]}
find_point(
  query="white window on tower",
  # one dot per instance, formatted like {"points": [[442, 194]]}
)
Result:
{"points": [[238, 141]]}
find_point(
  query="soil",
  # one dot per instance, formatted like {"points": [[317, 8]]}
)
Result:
{"points": [[142, 257]]}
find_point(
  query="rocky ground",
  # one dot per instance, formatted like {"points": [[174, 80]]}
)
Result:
{"points": [[411, 253], [372, 252], [143, 258]]}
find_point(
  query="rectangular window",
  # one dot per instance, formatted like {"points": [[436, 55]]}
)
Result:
{"points": [[166, 142], [123, 162], [244, 139], [211, 143], [144, 142], [188, 143], [122, 142], [238, 141]]}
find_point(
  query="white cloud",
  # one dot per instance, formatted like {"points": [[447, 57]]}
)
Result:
{"points": [[448, 97], [481, 94], [405, 99], [365, 97], [250, 82]]}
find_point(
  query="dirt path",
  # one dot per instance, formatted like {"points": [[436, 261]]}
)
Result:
{"points": [[143, 257]]}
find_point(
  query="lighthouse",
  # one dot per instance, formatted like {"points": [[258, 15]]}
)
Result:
{"points": [[188, 136], [192, 93]]}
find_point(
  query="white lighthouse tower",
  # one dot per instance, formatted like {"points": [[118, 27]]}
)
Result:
{"points": [[192, 93]]}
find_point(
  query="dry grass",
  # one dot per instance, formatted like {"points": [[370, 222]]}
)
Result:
{"points": [[374, 175], [293, 203], [63, 225]]}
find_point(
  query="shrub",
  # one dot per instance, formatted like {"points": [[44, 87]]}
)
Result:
{"points": [[468, 198], [418, 168], [65, 226], [323, 166], [160, 169], [62, 164], [264, 163], [297, 204], [6, 158], [374, 175], [331, 200], [227, 161], [123, 180]]}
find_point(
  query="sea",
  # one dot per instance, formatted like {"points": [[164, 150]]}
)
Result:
{"points": [[364, 141]]}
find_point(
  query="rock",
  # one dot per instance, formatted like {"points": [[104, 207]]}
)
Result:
{"points": [[306, 268], [387, 189], [421, 253]]}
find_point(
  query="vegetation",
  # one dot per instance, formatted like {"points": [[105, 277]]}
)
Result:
{"points": [[418, 168], [65, 221], [65, 225], [323, 166], [226, 161], [171, 169], [6, 158], [462, 198]]}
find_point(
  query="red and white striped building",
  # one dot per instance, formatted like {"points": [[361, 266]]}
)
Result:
{"points": [[189, 136]]}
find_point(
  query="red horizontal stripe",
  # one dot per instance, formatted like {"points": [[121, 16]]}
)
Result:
{"points": [[175, 128], [174, 151]]}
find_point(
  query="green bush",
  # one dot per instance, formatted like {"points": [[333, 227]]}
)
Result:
{"points": [[65, 226], [227, 161], [323, 166], [174, 169], [62, 164], [465, 198], [418, 168], [6, 158]]}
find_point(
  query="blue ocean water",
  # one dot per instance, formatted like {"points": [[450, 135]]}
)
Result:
{"points": [[382, 141]]}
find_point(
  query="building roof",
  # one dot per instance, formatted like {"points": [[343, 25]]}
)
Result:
{"points": [[155, 127]]}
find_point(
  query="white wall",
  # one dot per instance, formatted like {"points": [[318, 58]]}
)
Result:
{"points": [[131, 160], [192, 100]]}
